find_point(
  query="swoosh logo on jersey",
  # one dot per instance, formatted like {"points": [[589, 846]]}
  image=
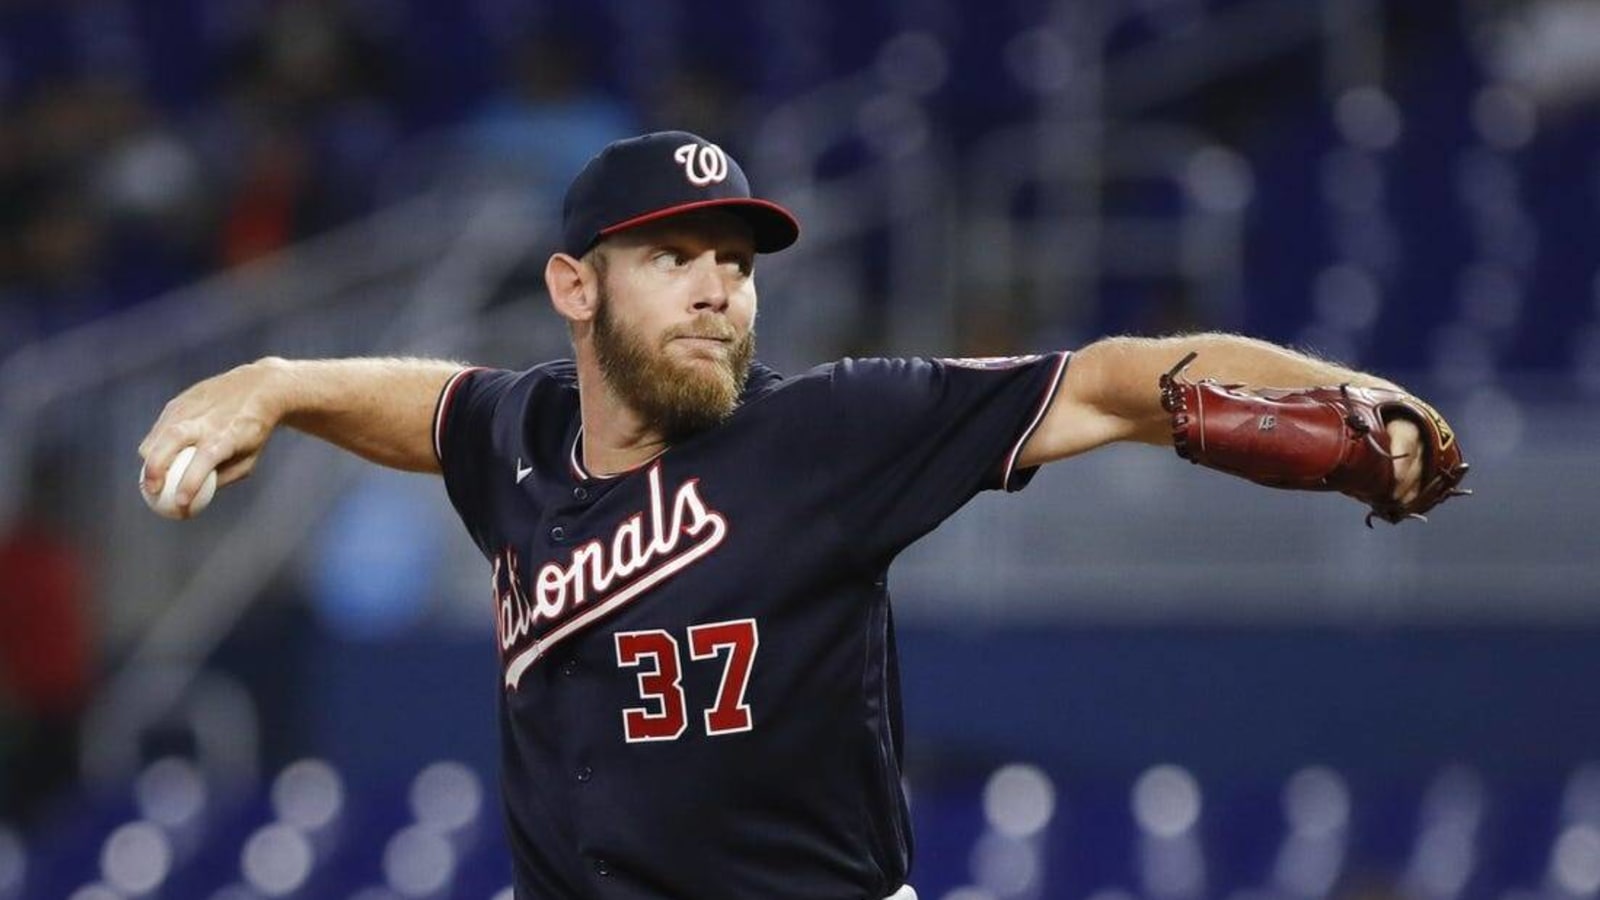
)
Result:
{"points": [[600, 577], [522, 472]]}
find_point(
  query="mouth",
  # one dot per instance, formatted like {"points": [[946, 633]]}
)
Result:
{"points": [[696, 341]]}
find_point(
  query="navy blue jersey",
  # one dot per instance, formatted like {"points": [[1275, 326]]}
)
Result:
{"points": [[698, 693]]}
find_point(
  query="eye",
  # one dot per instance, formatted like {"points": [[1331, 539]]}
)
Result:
{"points": [[670, 259], [744, 264]]}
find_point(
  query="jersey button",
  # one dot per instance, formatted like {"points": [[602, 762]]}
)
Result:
{"points": [[585, 773], [580, 494], [570, 667], [558, 534], [601, 867]]}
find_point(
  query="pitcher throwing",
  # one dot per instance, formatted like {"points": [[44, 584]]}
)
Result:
{"points": [[690, 551]]}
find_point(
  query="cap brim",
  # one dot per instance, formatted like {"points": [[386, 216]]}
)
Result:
{"points": [[771, 226]]}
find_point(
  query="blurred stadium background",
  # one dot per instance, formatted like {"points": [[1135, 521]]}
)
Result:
{"points": [[1137, 680]]}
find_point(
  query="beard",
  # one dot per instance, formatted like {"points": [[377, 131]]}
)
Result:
{"points": [[676, 398]]}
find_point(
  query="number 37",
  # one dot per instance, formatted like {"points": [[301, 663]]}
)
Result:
{"points": [[662, 683]]}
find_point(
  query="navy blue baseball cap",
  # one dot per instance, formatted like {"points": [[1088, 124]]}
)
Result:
{"points": [[643, 179]]}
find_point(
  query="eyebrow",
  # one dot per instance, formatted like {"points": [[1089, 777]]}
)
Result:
{"points": [[676, 244]]}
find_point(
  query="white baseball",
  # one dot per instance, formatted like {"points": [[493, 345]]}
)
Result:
{"points": [[166, 503]]}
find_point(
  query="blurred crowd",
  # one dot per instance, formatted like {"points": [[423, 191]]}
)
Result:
{"points": [[115, 189], [114, 199], [145, 145]]}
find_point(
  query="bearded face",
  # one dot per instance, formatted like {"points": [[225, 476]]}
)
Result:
{"points": [[678, 397]]}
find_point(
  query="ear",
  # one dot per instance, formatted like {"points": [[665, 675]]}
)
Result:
{"points": [[571, 283]]}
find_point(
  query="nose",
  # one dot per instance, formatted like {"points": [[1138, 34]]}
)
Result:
{"points": [[711, 286]]}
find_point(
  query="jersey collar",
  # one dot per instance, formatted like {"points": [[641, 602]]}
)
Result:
{"points": [[575, 459]]}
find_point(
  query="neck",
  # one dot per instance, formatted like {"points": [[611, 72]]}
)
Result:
{"points": [[615, 437]]}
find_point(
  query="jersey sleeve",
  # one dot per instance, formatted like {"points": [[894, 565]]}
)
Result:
{"points": [[464, 429], [921, 437]]}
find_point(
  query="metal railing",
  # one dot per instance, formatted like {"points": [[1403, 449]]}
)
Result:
{"points": [[411, 280]]}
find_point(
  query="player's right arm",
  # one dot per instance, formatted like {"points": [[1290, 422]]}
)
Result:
{"points": [[379, 409]]}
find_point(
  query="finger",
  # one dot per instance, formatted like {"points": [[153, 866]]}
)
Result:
{"points": [[236, 470], [1407, 473], [163, 448], [148, 443], [1404, 438], [208, 456], [248, 436], [1404, 446], [1409, 483], [181, 408], [169, 413]]}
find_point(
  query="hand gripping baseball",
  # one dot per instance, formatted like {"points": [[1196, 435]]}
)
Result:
{"points": [[1314, 439], [226, 418]]}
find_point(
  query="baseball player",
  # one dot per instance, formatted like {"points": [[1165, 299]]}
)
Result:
{"points": [[698, 693]]}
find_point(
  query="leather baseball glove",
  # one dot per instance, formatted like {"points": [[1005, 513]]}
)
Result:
{"points": [[1314, 439]]}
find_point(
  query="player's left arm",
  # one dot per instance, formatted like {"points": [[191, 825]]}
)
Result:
{"points": [[1111, 393]]}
